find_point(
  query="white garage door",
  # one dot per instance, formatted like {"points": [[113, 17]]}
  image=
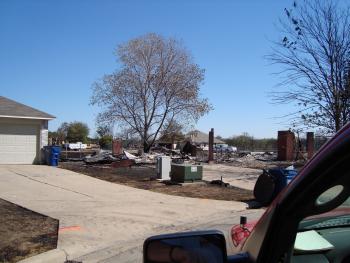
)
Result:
{"points": [[18, 143]]}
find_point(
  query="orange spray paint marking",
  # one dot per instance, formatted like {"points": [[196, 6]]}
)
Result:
{"points": [[69, 228]]}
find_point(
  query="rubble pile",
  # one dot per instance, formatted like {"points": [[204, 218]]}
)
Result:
{"points": [[246, 159], [103, 157], [240, 159], [106, 157]]}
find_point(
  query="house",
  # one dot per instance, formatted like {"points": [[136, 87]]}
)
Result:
{"points": [[23, 132], [170, 141], [201, 139]]}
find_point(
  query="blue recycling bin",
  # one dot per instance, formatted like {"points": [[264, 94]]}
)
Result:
{"points": [[282, 178], [52, 155], [271, 182]]}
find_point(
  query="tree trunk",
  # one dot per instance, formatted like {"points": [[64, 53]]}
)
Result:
{"points": [[337, 121], [146, 147]]}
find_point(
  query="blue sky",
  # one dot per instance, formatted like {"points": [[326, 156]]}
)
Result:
{"points": [[51, 52]]}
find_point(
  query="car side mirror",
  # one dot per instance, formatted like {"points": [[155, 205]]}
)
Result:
{"points": [[199, 246]]}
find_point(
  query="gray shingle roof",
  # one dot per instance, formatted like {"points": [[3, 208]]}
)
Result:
{"points": [[201, 137], [11, 108]]}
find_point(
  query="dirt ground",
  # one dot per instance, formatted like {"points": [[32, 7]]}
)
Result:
{"points": [[24, 233], [140, 177]]}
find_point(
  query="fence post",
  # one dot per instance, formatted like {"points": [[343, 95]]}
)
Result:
{"points": [[211, 146]]}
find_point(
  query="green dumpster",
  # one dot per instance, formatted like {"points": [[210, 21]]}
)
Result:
{"points": [[182, 173]]}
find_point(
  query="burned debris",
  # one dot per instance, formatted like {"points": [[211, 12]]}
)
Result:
{"points": [[103, 157], [200, 160]]}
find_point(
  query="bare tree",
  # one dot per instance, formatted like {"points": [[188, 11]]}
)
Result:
{"points": [[172, 131], [314, 55], [158, 83], [62, 131]]}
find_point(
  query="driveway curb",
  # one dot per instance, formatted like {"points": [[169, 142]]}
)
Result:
{"points": [[54, 256]]}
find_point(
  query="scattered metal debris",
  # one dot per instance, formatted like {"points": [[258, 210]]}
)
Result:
{"points": [[220, 182], [130, 156], [103, 157], [246, 159]]}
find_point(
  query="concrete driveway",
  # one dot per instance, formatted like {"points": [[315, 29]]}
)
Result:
{"points": [[237, 176], [106, 222]]}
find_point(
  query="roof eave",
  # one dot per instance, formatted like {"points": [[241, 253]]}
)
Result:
{"points": [[27, 117]]}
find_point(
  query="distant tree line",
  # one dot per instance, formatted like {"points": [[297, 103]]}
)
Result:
{"points": [[70, 132], [76, 131], [246, 142], [104, 136]]}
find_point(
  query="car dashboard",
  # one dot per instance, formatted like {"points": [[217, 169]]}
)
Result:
{"points": [[337, 232]]}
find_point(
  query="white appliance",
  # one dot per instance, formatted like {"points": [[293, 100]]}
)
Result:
{"points": [[163, 167]]}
